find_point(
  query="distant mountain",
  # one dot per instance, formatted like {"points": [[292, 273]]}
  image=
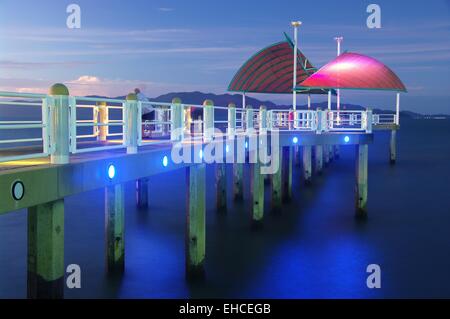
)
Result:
{"points": [[197, 98]]}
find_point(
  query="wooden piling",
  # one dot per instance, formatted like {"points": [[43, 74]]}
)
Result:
{"points": [[238, 187], [307, 166], [326, 155], [276, 182], [142, 193], [337, 152], [46, 251], [393, 147], [362, 158], [195, 226], [257, 193], [318, 167], [286, 171], [114, 226], [221, 187]]}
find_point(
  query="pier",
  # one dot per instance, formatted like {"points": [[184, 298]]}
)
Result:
{"points": [[97, 143]]}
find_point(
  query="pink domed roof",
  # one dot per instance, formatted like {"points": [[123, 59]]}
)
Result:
{"points": [[354, 71]]}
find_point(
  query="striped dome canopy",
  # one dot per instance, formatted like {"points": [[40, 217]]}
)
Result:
{"points": [[353, 71], [271, 71]]}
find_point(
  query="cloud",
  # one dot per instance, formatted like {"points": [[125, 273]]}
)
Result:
{"points": [[166, 9]]}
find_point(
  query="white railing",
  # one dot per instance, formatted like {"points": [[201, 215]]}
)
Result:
{"points": [[41, 122], [97, 124], [100, 124], [384, 119], [289, 120], [156, 129], [347, 120]]}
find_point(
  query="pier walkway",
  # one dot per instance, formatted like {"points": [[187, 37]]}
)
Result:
{"points": [[73, 144]]}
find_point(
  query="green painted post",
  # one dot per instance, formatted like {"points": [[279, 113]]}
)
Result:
{"points": [[195, 233], [208, 120], [362, 158], [393, 147], [257, 193], [115, 225], [46, 251], [231, 121], [221, 187], [131, 135], [142, 193], [286, 167], [238, 176], [176, 120], [276, 182], [59, 123]]}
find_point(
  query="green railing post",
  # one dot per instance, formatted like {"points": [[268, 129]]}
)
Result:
{"points": [[208, 120], [131, 124], [59, 124]]}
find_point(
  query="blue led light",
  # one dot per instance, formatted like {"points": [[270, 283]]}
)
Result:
{"points": [[200, 154], [227, 148], [165, 161], [246, 144], [346, 139], [111, 171], [295, 140]]}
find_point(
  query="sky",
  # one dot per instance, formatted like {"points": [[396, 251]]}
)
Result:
{"points": [[179, 45]]}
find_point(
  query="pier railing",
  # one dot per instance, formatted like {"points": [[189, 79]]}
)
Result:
{"points": [[99, 124], [31, 131], [71, 124]]}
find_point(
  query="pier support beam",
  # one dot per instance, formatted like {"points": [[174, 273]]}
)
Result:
{"points": [[326, 155], [142, 193], [221, 187], [195, 227], [286, 171], [362, 159], [307, 166], [276, 182], [330, 153], [238, 187], [393, 147], [257, 193], [337, 153], [318, 167], [46, 251], [114, 226]]}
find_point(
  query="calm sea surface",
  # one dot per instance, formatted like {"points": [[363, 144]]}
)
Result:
{"points": [[314, 249]]}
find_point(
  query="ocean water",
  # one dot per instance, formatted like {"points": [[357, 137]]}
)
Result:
{"points": [[313, 249]]}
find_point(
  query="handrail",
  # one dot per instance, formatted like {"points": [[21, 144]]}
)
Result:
{"points": [[14, 139], [167, 118]]}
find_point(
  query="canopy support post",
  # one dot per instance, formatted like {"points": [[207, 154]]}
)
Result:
{"points": [[397, 110]]}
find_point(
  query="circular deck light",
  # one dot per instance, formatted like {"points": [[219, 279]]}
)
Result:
{"points": [[18, 190], [346, 139], [111, 171], [295, 140], [165, 161]]}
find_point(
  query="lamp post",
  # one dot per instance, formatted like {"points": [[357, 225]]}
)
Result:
{"points": [[338, 101]]}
